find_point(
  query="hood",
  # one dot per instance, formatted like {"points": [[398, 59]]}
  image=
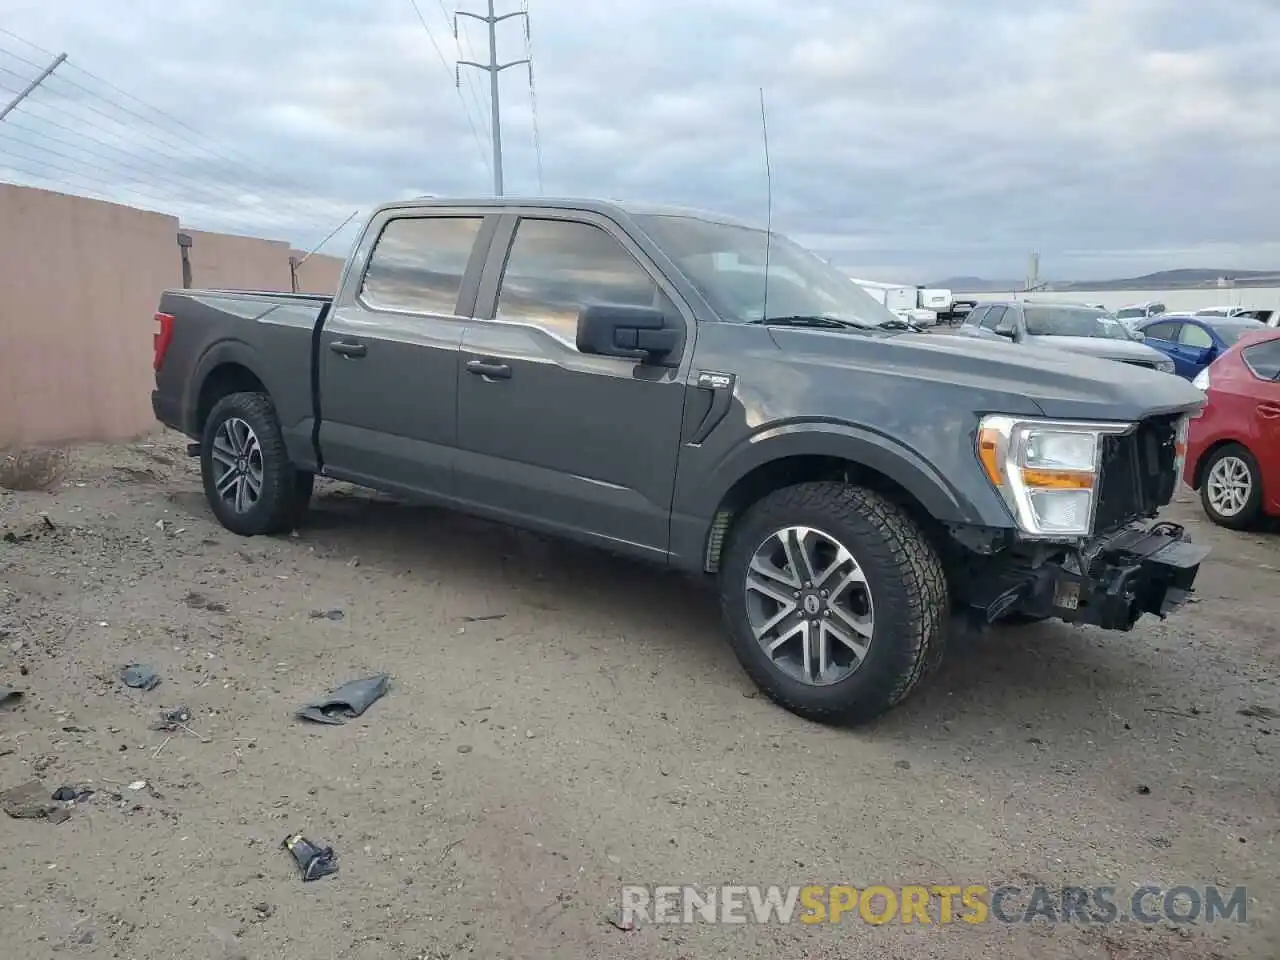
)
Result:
{"points": [[1101, 347], [1061, 384]]}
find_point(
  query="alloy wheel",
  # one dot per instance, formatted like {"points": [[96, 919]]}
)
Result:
{"points": [[809, 605], [237, 462], [1230, 483]]}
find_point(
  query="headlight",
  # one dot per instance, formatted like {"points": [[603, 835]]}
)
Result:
{"points": [[1165, 366], [1047, 471]]}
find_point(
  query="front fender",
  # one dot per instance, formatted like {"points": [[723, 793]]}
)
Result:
{"points": [[945, 499], [949, 485]]}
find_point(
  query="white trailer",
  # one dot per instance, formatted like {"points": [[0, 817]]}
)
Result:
{"points": [[917, 304]]}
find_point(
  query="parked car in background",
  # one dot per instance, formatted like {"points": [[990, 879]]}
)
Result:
{"points": [[1237, 311], [1233, 444], [1136, 313], [1270, 318], [1065, 326], [1193, 341]]}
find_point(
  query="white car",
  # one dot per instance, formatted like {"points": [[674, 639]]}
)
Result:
{"points": [[1136, 313], [1270, 317]]}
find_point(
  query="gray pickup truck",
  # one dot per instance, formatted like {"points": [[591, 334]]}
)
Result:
{"points": [[626, 377]]}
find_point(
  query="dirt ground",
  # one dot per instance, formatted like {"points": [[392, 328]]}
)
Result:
{"points": [[561, 722]]}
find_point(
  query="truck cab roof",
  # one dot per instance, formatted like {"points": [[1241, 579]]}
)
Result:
{"points": [[608, 208]]}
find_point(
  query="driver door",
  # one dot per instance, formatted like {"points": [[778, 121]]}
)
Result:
{"points": [[577, 444]]}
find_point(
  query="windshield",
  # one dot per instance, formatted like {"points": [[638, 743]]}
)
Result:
{"points": [[1129, 313], [726, 263], [1074, 322]]}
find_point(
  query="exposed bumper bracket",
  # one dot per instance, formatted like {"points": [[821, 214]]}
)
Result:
{"points": [[1136, 572]]}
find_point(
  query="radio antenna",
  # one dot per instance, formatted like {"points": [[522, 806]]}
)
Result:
{"points": [[768, 187]]}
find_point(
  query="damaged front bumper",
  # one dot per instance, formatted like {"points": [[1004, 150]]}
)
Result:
{"points": [[1109, 584]]}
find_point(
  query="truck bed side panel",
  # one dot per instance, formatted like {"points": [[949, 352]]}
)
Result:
{"points": [[268, 335]]}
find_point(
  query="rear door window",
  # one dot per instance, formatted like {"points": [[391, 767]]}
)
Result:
{"points": [[1194, 335], [418, 263], [974, 319], [1263, 359]]}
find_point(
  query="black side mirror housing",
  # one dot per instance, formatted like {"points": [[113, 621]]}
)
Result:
{"points": [[615, 330], [1008, 332]]}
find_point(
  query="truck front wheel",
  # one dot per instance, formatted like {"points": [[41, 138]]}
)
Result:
{"points": [[250, 484], [835, 600]]}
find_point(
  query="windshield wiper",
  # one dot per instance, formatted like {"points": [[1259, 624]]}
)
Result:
{"points": [[813, 320], [897, 323]]}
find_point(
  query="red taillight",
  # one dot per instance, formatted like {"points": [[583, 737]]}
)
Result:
{"points": [[160, 339]]}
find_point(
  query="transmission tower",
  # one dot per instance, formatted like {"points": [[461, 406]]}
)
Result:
{"points": [[493, 68]]}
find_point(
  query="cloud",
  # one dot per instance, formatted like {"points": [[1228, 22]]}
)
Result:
{"points": [[909, 139]]}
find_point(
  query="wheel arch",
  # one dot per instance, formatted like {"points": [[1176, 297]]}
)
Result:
{"points": [[830, 452], [229, 366], [1207, 454]]}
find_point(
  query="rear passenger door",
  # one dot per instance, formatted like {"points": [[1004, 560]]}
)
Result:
{"points": [[549, 437], [388, 354]]}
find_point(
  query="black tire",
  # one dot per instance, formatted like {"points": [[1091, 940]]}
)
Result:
{"points": [[1252, 512], [907, 584], [286, 491]]}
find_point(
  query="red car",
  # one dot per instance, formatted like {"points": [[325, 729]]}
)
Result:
{"points": [[1233, 445]]}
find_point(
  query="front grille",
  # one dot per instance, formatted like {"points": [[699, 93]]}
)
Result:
{"points": [[1138, 476]]}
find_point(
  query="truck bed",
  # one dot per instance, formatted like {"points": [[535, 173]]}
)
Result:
{"points": [[264, 338]]}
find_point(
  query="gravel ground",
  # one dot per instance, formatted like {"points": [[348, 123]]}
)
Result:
{"points": [[561, 722]]}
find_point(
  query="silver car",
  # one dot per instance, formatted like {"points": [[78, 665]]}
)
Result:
{"points": [[1064, 326]]}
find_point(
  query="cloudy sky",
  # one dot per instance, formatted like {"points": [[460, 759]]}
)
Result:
{"points": [[910, 139]]}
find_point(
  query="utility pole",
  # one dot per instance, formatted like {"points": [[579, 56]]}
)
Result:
{"points": [[493, 68], [57, 62]]}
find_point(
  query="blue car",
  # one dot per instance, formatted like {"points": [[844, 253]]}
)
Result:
{"points": [[1193, 342]]}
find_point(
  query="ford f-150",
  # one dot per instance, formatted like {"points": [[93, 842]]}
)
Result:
{"points": [[707, 395]]}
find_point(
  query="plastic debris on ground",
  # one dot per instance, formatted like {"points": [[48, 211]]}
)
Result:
{"points": [[32, 801], [313, 861], [347, 701], [140, 677]]}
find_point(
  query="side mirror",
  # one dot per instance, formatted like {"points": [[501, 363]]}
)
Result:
{"points": [[1008, 331], [614, 330]]}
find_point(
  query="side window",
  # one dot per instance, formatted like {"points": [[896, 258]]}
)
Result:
{"points": [[1162, 331], [418, 262], [556, 267], [1263, 359], [974, 317], [1194, 335], [993, 317]]}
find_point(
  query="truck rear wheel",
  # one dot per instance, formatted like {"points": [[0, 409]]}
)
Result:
{"points": [[250, 484], [835, 600]]}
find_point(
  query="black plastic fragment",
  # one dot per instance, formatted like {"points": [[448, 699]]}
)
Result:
{"points": [[313, 862], [347, 701]]}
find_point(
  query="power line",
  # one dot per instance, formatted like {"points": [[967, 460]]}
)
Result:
{"points": [[184, 144], [457, 85], [143, 174], [533, 92], [167, 146]]}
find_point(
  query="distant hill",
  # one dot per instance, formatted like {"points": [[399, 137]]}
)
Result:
{"points": [[1161, 280]]}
